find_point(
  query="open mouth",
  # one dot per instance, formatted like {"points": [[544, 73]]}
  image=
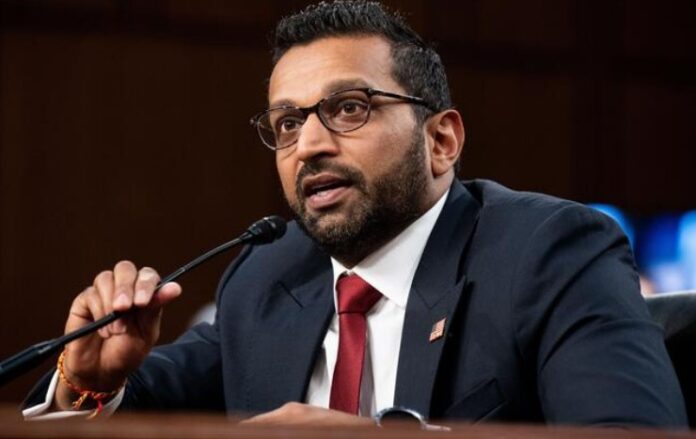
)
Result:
{"points": [[321, 184], [324, 190]]}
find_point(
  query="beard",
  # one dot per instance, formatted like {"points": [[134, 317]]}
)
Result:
{"points": [[385, 207]]}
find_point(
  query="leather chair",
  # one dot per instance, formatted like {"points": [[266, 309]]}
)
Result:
{"points": [[676, 313]]}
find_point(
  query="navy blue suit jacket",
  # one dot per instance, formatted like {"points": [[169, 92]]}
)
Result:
{"points": [[544, 323]]}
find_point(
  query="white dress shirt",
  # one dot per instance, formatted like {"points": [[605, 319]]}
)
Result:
{"points": [[390, 270]]}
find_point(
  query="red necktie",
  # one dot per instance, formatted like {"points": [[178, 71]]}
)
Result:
{"points": [[355, 298]]}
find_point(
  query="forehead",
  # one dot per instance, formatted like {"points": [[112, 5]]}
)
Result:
{"points": [[308, 72]]}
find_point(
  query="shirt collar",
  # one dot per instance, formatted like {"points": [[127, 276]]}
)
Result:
{"points": [[392, 267]]}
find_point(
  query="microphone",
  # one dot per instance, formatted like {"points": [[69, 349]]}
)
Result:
{"points": [[263, 231]]}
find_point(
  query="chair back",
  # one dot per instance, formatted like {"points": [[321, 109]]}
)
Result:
{"points": [[676, 313]]}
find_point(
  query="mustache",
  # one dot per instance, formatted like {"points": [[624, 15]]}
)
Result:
{"points": [[348, 173]]}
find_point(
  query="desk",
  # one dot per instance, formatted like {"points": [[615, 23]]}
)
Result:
{"points": [[195, 426]]}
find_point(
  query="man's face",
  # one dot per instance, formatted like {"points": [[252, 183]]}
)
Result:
{"points": [[353, 190]]}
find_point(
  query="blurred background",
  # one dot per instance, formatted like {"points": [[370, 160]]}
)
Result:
{"points": [[124, 132]]}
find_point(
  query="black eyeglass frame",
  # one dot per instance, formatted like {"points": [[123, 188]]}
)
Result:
{"points": [[306, 111]]}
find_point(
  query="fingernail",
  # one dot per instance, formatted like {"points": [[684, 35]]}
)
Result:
{"points": [[121, 301], [141, 297]]}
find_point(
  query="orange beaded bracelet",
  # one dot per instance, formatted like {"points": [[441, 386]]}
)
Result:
{"points": [[98, 397]]}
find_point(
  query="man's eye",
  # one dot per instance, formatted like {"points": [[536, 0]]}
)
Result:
{"points": [[288, 124], [350, 108]]}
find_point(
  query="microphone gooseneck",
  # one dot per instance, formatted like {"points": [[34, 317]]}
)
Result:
{"points": [[263, 231]]}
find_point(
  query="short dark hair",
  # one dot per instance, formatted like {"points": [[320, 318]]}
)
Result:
{"points": [[417, 67]]}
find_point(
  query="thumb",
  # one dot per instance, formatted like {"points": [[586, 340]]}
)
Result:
{"points": [[165, 294], [149, 318]]}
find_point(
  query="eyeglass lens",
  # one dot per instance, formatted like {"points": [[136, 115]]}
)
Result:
{"points": [[341, 112]]}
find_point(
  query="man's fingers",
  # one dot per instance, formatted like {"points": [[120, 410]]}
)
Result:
{"points": [[149, 317], [104, 287], [166, 294], [125, 274], [115, 288], [145, 286], [96, 309], [97, 301], [119, 290], [86, 307]]}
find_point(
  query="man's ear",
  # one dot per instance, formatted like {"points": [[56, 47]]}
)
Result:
{"points": [[446, 133]]}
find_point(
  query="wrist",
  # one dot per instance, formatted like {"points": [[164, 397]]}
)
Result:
{"points": [[71, 396], [63, 397]]}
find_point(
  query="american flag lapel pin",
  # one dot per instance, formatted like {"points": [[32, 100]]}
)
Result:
{"points": [[438, 330]]}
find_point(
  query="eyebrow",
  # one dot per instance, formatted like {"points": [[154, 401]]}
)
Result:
{"points": [[331, 87]]}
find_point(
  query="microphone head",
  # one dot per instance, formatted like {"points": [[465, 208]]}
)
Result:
{"points": [[266, 230]]}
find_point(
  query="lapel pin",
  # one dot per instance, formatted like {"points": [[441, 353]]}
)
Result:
{"points": [[438, 330]]}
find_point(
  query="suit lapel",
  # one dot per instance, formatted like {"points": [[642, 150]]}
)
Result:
{"points": [[291, 324], [435, 293]]}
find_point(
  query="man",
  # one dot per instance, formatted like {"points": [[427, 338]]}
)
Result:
{"points": [[398, 285]]}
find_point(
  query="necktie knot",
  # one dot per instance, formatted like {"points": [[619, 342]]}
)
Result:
{"points": [[355, 295]]}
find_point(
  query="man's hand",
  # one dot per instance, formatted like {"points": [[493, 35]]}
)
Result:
{"points": [[102, 361], [297, 414]]}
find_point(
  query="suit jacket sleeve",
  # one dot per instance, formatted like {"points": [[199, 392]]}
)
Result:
{"points": [[183, 375], [599, 357]]}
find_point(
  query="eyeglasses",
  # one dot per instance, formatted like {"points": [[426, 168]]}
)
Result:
{"points": [[340, 112]]}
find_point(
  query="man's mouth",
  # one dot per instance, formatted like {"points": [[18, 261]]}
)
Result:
{"points": [[324, 190]]}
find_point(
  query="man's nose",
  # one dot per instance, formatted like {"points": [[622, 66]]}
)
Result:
{"points": [[315, 139]]}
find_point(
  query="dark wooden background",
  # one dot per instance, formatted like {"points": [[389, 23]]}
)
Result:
{"points": [[124, 127]]}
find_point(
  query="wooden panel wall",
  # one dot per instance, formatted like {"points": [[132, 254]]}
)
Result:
{"points": [[124, 127]]}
